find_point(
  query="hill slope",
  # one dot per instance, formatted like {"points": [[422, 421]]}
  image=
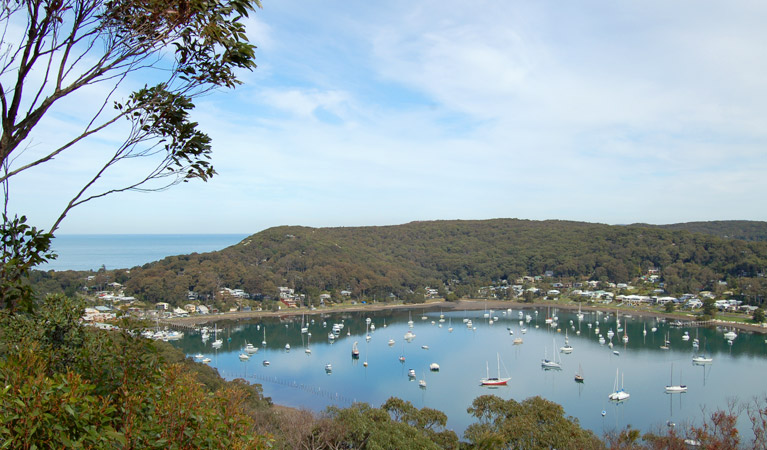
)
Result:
{"points": [[376, 261], [746, 230]]}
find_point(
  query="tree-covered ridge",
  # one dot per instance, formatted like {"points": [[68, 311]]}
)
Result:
{"points": [[374, 262], [747, 230]]}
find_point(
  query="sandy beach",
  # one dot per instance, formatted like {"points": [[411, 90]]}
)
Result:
{"points": [[473, 304]]}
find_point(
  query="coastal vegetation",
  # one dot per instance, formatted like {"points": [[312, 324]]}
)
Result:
{"points": [[455, 257], [66, 385]]}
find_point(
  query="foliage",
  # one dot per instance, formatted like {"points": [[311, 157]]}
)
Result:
{"points": [[534, 423], [374, 262], [23, 247], [69, 386], [397, 424], [669, 307], [57, 52], [758, 316], [709, 307], [746, 230]]}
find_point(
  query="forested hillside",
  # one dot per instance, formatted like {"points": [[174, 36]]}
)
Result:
{"points": [[746, 230], [374, 262]]}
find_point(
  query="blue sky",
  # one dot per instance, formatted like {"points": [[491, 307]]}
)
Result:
{"points": [[371, 113]]}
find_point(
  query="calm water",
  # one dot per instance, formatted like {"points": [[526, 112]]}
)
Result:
{"points": [[296, 379], [123, 251]]}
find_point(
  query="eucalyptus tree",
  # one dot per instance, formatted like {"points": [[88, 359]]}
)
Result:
{"points": [[55, 53]]}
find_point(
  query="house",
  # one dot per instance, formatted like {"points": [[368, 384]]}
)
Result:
{"points": [[694, 303], [664, 300], [634, 299], [553, 292], [161, 306], [202, 309]]}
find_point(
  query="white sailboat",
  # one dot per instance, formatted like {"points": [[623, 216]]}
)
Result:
{"points": [[702, 358], [263, 343], [567, 348], [217, 343], [673, 389], [547, 363], [618, 395], [494, 381]]}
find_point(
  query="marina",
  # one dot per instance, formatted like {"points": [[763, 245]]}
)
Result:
{"points": [[730, 369]]}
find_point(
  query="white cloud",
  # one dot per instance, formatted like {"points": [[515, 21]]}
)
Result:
{"points": [[376, 114]]}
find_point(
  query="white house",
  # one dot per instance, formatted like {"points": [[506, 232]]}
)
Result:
{"points": [[694, 303]]}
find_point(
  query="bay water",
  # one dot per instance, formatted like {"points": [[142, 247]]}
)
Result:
{"points": [[299, 379]]}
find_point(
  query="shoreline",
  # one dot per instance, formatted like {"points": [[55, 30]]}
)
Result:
{"points": [[466, 304]]}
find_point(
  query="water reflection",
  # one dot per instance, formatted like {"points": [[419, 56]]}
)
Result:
{"points": [[298, 378]]}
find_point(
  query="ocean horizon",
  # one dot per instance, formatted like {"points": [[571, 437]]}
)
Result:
{"points": [[123, 251]]}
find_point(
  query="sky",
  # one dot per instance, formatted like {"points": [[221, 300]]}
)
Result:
{"points": [[381, 113]]}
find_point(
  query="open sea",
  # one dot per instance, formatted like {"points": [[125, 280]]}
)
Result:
{"points": [[123, 251]]}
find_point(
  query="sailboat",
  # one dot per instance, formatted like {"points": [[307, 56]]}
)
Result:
{"points": [[450, 325], [308, 350], [494, 381], [422, 382], [547, 363], [618, 395], [580, 314], [665, 345], [702, 358], [579, 375], [217, 343], [567, 348], [673, 389], [625, 336], [355, 351], [263, 343]]}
